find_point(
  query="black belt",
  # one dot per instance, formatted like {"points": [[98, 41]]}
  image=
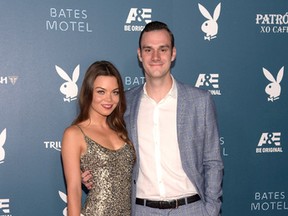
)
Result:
{"points": [[168, 204]]}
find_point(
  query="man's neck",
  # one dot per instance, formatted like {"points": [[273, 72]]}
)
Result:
{"points": [[157, 89]]}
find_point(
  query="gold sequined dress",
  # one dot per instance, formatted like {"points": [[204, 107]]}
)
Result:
{"points": [[111, 171]]}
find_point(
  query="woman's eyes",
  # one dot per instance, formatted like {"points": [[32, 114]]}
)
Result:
{"points": [[102, 92], [116, 92]]}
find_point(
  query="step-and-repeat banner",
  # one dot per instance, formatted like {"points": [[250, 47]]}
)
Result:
{"points": [[238, 50]]}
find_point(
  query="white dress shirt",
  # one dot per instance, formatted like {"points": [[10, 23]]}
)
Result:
{"points": [[161, 176]]}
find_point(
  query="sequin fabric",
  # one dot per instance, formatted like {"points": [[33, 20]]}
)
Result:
{"points": [[111, 171]]}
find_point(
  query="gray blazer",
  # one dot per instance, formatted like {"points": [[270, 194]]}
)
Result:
{"points": [[198, 141]]}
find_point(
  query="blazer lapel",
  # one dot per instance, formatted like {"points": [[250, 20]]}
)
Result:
{"points": [[134, 110], [181, 107]]}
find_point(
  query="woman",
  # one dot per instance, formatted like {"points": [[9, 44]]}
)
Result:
{"points": [[97, 141]]}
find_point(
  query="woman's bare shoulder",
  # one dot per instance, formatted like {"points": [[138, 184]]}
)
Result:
{"points": [[72, 134]]}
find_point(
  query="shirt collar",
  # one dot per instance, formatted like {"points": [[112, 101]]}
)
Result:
{"points": [[172, 92]]}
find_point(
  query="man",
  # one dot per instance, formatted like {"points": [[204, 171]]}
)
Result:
{"points": [[174, 130]]}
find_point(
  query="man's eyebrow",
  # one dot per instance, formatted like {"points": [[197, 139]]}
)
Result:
{"points": [[165, 46], [146, 46], [162, 46]]}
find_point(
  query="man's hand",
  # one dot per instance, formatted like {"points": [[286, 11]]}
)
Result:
{"points": [[86, 177]]}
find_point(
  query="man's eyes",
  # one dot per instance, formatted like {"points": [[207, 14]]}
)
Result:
{"points": [[147, 50], [161, 50]]}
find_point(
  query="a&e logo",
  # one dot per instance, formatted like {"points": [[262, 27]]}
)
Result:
{"points": [[2, 142], [273, 89], [69, 88], [269, 143], [209, 81], [210, 26], [140, 17]]}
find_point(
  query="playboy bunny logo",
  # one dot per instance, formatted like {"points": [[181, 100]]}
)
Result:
{"points": [[2, 142], [64, 198], [210, 26], [69, 88], [273, 89]]}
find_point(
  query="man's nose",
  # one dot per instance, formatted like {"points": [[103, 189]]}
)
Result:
{"points": [[155, 55]]}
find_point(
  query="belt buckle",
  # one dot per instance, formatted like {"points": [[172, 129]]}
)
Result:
{"points": [[171, 203]]}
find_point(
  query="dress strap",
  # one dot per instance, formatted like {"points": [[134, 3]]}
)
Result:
{"points": [[81, 130]]}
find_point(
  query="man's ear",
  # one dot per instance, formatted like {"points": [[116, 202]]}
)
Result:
{"points": [[139, 54], [173, 54]]}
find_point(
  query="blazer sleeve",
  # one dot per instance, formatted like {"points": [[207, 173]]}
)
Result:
{"points": [[212, 161]]}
